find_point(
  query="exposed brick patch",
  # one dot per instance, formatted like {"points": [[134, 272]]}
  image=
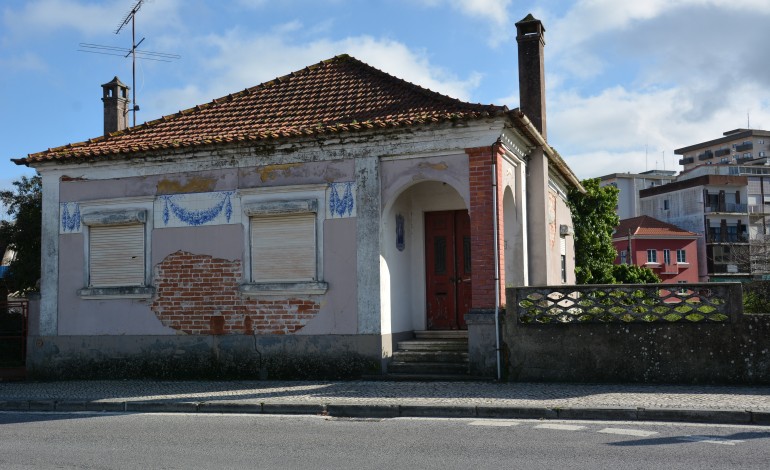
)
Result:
{"points": [[198, 294]]}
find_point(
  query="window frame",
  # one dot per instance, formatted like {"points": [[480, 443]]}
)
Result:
{"points": [[276, 202], [666, 256], [683, 258], [104, 214], [652, 256]]}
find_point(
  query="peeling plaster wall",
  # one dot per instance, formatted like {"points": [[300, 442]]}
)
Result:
{"points": [[120, 187], [339, 313], [398, 174], [117, 316], [97, 317]]}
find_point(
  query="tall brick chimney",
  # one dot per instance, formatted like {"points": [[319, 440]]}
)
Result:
{"points": [[115, 98], [529, 35]]}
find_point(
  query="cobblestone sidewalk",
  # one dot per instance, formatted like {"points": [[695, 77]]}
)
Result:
{"points": [[461, 394]]}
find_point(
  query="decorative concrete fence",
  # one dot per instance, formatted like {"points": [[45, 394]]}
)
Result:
{"points": [[622, 303], [659, 333]]}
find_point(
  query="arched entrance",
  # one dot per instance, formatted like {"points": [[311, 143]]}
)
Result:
{"points": [[412, 228]]}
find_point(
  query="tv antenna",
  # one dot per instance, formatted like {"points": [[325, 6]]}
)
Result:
{"points": [[135, 53]]}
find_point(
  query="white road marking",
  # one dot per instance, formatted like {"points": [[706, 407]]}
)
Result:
{"points": [[560, 427], [494, 422], [711, 440], [628, 432]]}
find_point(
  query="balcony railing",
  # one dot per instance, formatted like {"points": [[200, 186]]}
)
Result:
{"points": [[759, 209], [728, 207], [730, 269], [727, 238], [685, 161], [744, 147]]}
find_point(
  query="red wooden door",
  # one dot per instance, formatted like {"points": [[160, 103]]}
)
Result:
{"points": [[447, 268]]}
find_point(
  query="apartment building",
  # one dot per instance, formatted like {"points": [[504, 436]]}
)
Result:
{"points": [[739, 146], [629, 185], [714, 207]]}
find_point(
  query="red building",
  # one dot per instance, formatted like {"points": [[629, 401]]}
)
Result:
{"points": [[668, 250]]}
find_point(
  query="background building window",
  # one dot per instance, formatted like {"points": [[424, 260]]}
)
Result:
{"points": [[681, 256], [667, 256], [652, 256]]}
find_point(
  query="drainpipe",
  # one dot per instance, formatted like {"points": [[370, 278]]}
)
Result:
{"points": [[497, 259]]}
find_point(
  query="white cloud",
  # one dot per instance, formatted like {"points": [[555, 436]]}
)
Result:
{"points": [[25, 62], [43, 16], [588, 18], [612, 131], [237, 60], [493, 10], [88, 18], [659, 75]]}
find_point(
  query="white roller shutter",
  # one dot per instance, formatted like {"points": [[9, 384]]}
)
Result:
{"points": [[116, 255], [283, 248]]}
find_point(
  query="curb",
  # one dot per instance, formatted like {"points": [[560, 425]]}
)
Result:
{"points": [[716, 416]]}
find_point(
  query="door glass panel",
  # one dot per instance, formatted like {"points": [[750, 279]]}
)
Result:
{"points": [[439, 251], [467, 254]]}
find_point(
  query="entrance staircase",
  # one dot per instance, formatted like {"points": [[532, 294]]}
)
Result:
{"points": [[431, 355]]}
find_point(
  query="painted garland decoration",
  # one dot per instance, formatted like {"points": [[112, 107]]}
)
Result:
{"points": [[339, 206], [196, 217], [70, 223]]}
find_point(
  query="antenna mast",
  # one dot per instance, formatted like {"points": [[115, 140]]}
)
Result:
{"points": [[133, 52], [131, 15]]}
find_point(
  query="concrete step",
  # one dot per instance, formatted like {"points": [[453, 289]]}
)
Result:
{"points": [[403, 377], [433, 345], [430, 356], [441, 334], [428, 368]]}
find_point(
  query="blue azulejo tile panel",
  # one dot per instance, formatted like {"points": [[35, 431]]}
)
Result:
{"points": [[341, 200], [196, 209], [69, 218]]}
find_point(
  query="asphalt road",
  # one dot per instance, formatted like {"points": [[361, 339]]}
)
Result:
{"points": [[160, 440]]}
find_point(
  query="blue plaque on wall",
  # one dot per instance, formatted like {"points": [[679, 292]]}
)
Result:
{"points": [[400, 232]]}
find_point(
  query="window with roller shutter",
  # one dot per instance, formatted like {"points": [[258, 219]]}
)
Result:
{"points": [[283, 248], [284, 240], [116, 255]]}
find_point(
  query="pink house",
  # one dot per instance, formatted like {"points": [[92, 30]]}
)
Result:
{"points": [[668, 250]]}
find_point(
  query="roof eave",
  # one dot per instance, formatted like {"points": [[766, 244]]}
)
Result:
{"points": [[524, 124]]}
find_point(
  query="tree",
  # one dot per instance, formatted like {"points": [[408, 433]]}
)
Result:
{"points": [[633, 274], [22, 233], [594, 219]]}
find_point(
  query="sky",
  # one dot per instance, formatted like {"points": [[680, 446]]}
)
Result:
{"points": [[626, 82]]}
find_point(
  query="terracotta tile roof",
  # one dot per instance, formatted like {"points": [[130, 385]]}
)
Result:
{"points": [[645, 226], [337, 95]]}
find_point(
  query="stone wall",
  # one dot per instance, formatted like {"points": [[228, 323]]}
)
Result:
{"points": [[199, 357], [731, 352]]}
